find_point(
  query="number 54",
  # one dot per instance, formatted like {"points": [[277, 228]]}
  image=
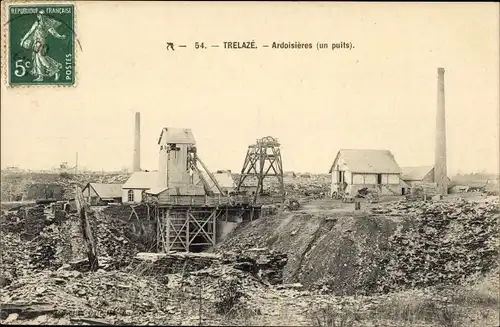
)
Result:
{"points": [[20, 67]]}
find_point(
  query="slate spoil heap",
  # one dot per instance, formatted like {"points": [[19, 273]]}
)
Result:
{"points": [[33, 222], [263, 265], [297, 186], [115, 244], [441, 243], [71, 293], [16, 186], [266, 264]]}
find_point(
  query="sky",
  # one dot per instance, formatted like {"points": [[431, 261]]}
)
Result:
{"points": [[382, 94]]}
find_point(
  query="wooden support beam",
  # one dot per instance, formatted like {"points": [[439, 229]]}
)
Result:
{"points": [[188, 240], [88, 237], [199, 228]]}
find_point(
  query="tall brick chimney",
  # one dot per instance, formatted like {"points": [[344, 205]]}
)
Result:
{"points": [[440, 171], [136, 166]]}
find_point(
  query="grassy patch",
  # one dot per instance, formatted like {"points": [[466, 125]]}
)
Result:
{"points": [[331, 316], [483, 294], [423, 311]]}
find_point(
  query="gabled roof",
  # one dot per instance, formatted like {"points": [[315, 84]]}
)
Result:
{"points": [[142, 180], [106, 191], [176, 136], [416, 173], [368, 161]]}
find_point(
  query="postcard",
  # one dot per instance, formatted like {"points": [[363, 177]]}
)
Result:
{"points": [[249, 163]]}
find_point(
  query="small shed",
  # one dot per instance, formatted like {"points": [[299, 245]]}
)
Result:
{"points": [[417, 174], [138, 183], [354, 169], [96, 193]]}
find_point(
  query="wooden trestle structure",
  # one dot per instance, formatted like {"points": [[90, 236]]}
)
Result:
{"points": [[188, 222], [188, 228], [263, 160]]}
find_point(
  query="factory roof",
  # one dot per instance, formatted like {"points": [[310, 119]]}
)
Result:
{"points": [[368, 161], [142, 180], [415, 173], [176, 136], [106, 191], [225, 180]]}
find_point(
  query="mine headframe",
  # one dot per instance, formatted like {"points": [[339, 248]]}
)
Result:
{"points": [[192, 163], [263, 160]]}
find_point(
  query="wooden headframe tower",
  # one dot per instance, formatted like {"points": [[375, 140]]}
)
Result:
{"points": [[263, 160]]}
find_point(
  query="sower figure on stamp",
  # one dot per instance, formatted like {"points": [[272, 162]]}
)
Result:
{"points": [[35, 39]]}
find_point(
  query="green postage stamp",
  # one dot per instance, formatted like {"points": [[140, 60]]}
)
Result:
{"points": [[41, 45]]}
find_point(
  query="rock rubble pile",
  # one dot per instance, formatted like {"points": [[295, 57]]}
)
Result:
{"points": [[263, 264], [71, 293], [441, 243], [16, 186], [295, 186]]}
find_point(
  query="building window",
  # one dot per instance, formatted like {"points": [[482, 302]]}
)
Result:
{"points": [[341, 177], [130, 195]]}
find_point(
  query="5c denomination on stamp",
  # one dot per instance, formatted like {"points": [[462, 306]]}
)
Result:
{"points": [[41, 44]]}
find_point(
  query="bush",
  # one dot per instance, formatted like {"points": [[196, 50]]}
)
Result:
{"points": [[331, 317]]}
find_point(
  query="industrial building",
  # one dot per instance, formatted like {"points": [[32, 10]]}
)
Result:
{"points": [[139, 182], [417, 175], [355, 169], [95, 193], [190, 205], [173, 169]]}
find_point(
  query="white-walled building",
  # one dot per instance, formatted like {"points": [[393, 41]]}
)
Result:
{"points": [[355, 169], [139, 182]]}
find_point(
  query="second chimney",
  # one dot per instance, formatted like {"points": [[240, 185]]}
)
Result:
{"points": [[136, 166], [440, 171]]}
